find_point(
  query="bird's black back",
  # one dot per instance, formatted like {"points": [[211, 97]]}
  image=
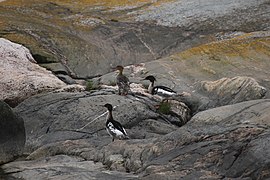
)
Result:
{"points": [[155, 89]]}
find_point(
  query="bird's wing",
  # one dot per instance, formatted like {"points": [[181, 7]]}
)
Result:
{"points": [[155, 89], [123, 79], [118, 126], [113, 131], [123, 82]]}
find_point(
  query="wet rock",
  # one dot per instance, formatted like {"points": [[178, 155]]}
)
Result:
{"points": [[12, 134], [20, 76]]}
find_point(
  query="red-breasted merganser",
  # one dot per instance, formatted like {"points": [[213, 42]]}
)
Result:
{"points": [[122, 81], [159, 90], [114, 128]]}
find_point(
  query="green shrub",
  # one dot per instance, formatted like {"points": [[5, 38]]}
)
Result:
{"points": [[90, 86], [164, 107], [112, 83]]}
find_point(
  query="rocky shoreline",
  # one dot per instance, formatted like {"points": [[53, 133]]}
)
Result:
{"points": [[215, 127]]}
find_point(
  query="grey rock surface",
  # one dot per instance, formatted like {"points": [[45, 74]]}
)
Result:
{"points": [[217, 126], [197, 14], [227, 145], [59, 116], [197, 94], [223, 142], [87, 43], [62, 167], [12, 134]]}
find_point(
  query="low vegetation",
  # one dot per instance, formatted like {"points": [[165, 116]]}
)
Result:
{"points": [[164, 107]]}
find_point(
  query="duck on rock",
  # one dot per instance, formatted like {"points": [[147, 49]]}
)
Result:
{"points": [[122, 82], [114, 128], [159, 90]]}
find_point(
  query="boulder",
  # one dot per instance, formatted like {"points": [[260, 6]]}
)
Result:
{"points": [[233, 90], [12, 134], [20, 76]]}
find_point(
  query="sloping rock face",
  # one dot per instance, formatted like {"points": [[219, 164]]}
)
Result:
{"points": [[61, 27], [215, 74], [20, 76], [210, 15], [246, 55], [223, 142], [218, 143], [84, 39], [12, 134], [231, 142]]}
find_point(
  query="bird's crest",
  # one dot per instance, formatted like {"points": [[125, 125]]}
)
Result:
{"points": [[108, 106], [150, 78]]}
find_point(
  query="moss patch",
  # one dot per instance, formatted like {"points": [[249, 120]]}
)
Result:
{"points": [[240, 46], [164, 107], [90, 85]]}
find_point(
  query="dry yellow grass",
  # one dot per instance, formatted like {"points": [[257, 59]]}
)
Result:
{"points": [[217, 58], [240, 46]]}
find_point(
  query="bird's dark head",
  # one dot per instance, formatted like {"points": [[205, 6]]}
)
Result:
{"points": [[108, 106], [119, 68], [150, 78]]}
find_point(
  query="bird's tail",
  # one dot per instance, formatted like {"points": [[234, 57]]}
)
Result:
{"points": [[126, 137]]}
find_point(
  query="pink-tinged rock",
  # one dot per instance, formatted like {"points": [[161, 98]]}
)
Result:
{"points": [[20, 76]]}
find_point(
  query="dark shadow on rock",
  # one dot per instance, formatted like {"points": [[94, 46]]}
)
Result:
{"points": [[12, 133], [5, 176]]}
